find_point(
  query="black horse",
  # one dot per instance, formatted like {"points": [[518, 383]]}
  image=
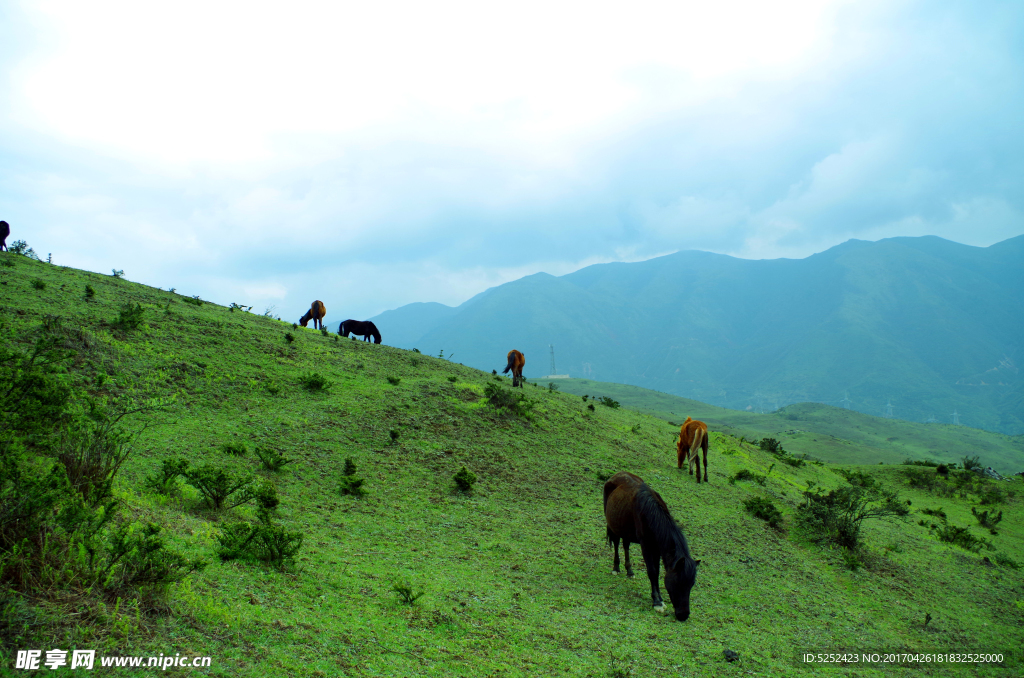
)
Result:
{"points": [[636, 513], [364, 328], [5, 230]]}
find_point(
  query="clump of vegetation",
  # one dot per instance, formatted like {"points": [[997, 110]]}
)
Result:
{"points": [[262, 541], [130, 317], [1006, 561], [585, 398], [234, 306], [235, 449], [921, 462], [453, 379], [394, 381], [635, 428], [393, 433], [591, 407], [350, 484], [89, 292], [314, 381], [603, 476], [837, 516], [772, 446], [938, 513], [38, 284], [21, 247], [942, 470], [744, 474], [986, 520], [464, 480], [763, 508], [289, 337], [138, 557], [405, 592], [552, 387], [271, 459], [117, 273], [220, 488], [194, 300], [857, 478], [971, 463], [166, 480], [962, 537], [608, 402], [515, 403]]}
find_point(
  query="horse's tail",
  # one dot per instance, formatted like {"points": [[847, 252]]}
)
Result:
{"points": [[511, 360], [341, 329], [698, 440]]}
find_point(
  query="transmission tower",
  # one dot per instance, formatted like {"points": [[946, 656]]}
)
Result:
{"points": [[587, 371], [846, 401], [552, 347], [956, 418], [888, 409]]}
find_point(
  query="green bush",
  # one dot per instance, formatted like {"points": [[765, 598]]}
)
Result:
{"points": [[744, 474], [89, 292], [971, 463], [21, 247], [130, 317], [764, 509], [139, 557], [117, 273], [38, 284], [962, 537], [986, 520], [239, 449], [836, 517], [262, 541], [771, 445], [314, 381], [513, 402], [464, 480], [170, 470], [857, 478], [608, 402], [194, 300], [394, 381], [552, 387], [921, 462], [350, 484], [271, 459], [1006, 561], [938, 513], [219, 487], [453, 379], [405, 592]]}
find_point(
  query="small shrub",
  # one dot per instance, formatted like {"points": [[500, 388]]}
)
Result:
{"points": [[512, 402], [764, 509], [792, 461], [552, 386], [139, 557], [585, 398], [635, 428], [394, 436], [170, 470], [771, 445], [744, 474], [453, 379], [857, 478], [1006, 561], [21, 247], [350, 485], [405, 593], [219, 487], [38, 284], [235, 449], [415, 350], [921, 462], [89, 292], [942, 470], [850, 559], [273, 388], [130, 317], [464, 480], [837, 516], [591, 407], [938, 513], [194, 300], [494, 372], [262, 541], [314, 381], [394, 381], [971, 463], [264, 494], [271, 459], [962, 537], [608, 402], [603, 476], [116, 273], [324, 331], [986, 520], [289, 337]]}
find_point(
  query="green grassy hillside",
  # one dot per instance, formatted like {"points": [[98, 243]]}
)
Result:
{"points": [[828, 433], [514, 576]]}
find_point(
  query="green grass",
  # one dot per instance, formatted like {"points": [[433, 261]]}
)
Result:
{"points": [[825, 432], [515, 577]]}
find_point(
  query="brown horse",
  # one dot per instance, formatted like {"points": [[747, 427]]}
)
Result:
{"points": [[636, 513], [5, 230], [693, 436], [316, 312], [516, 360]]}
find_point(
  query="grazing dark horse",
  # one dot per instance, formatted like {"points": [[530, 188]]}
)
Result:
{"points": [[5, 230], [693, 437], [516, 360], [636, 513], [364, 328], [316, 312]]}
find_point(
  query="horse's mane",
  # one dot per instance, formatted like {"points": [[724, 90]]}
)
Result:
{"points": [[656, 517]]}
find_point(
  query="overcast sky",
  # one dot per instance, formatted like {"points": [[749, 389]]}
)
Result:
{"points": [[372, 154]]}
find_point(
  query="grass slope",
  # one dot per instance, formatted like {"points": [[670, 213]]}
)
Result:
{"points": [[516, 575], [825, 432]]}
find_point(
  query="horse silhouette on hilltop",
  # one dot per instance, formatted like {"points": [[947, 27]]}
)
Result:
{"points": [[363, 328]]}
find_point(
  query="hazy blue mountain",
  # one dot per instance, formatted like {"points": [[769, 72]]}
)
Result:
{"points": [[929, 325]]}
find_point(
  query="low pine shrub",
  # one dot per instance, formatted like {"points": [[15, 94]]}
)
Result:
{"points": [[350, 484], [89, 292], [837, 516], [261, 541], [314, 381], [405, 592], [130, 317], [608, 402], [165, 481], [986, 520], [764, 509], [464, 480], [235, 449], [219, 487], [271, 459], [453, 379], [394, 381], [38, 284], [512, 402], [962, 537], [137, 556], [744, 474]]}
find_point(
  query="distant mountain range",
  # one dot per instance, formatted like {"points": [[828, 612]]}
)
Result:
{"points": [[928, 326]]}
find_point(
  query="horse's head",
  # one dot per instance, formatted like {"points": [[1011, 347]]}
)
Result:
{"points": [[679, 579]]}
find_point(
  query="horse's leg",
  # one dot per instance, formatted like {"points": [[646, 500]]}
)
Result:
{"points": [[689, 461], [629, 565], [615, 562], [653, 563], [696, 462], [705, 446]]}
